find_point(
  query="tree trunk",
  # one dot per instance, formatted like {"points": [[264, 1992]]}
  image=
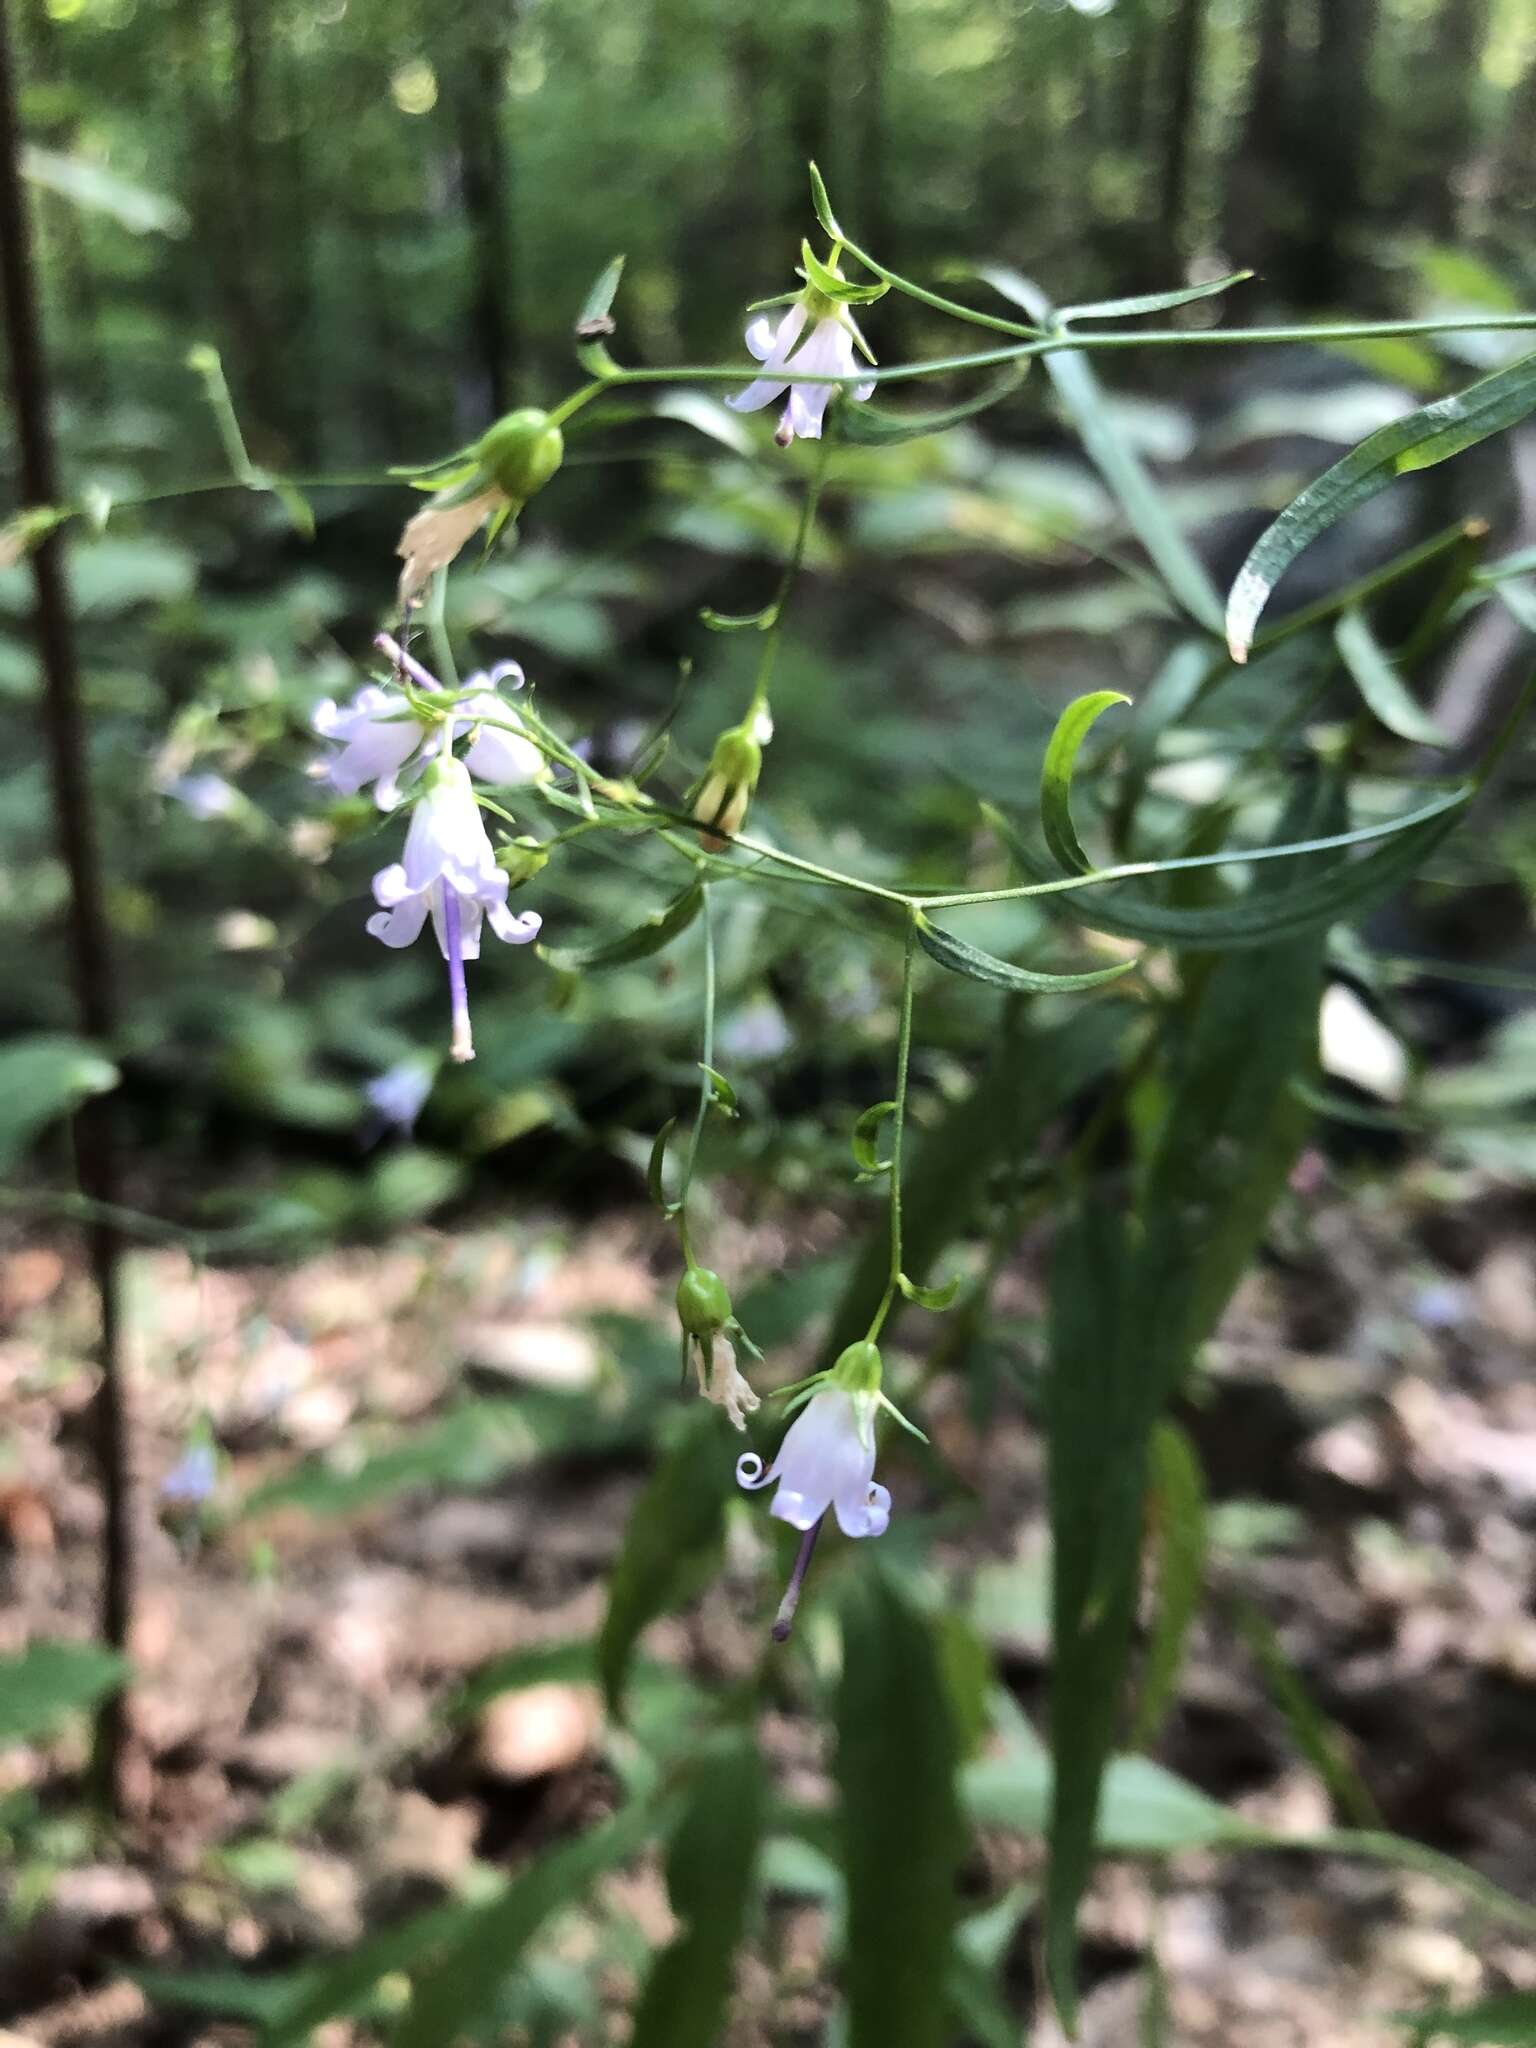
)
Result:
{"points": [[1334, 157], [485, 173], [1186, 41]]}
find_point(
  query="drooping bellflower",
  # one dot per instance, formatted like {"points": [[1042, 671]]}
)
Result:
{"points": [[449, 870], [816, 334]]}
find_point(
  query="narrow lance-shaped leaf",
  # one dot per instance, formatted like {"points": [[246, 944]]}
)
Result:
{"points": [[710, 1867], [872, 426], [1096, 1425], [671, 1541], [901, 1836], [593, 319], [1324, 893], [1177, 1496], [1386, 695], [1121, 468], [47, 1681], [1431, 434], [658, 930], [1072, 728], [459, 1987], [1151, 302], [960, 957]]}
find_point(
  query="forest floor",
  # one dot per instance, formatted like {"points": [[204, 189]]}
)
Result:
{"points": [[1367, 1419]]}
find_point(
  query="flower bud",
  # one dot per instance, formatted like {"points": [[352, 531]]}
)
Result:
{"points": [[857, 1370], [521, 859], [703, 1305], [727, 788], [521, 452]]}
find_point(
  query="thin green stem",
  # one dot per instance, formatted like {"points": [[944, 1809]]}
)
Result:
{"points": [[771, 632], [569, 407], [437, 631], [898, 1126], [706, 1083]]}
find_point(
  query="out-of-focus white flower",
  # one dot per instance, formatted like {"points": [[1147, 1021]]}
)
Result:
{"points": [[399, 1093], [205, 796], [449, 869], [827, 1460], [827, 350], [377, 734]]}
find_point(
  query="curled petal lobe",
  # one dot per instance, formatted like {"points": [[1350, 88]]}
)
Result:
{"points": [[401, 925]]}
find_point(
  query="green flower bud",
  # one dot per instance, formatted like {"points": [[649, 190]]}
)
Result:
{"points": [[521, 452], [727, 788], [521, 859], [703, 1305], [857, 1370]]}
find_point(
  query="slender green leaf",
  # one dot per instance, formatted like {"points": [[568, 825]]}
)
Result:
{"points": [[655, 1171], [658, 930], [1519, 600], [1315, 1737], [460, 1985], [1072, 728], [1177, 1496], [1431, 434], [1320, 895], [722, 1095], [866, 1137], [871, 426], [672, 1538], [1146, 512], [739, 622], [1099, 1413], [1151, 302], [710, 1866], [1144, 1810], [1505, 2021], [901, 1836], [593, 321], [1387, 697], [41, 1080], [48, 1681], [960, 957], [939, 1298]]}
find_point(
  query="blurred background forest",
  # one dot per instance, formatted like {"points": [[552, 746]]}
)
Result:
{"points": [[396, 1392]]}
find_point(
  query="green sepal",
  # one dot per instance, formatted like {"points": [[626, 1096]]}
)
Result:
{"points": [[823, 204], [823, 278]]}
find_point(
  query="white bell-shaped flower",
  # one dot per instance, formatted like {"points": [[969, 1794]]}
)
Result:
{"points": [[827, 1460], [377, 734], [828, 349], [449, 869]]}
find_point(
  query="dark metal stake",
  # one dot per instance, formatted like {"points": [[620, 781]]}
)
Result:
{"points": [[89, 960]]}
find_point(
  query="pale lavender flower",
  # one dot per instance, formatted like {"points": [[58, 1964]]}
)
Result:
{"points": [[449, 870], [827, 349], [192, 1478], [498, 750], [827, 1460], [377, 734], [400, 1092], [205, 796]]}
